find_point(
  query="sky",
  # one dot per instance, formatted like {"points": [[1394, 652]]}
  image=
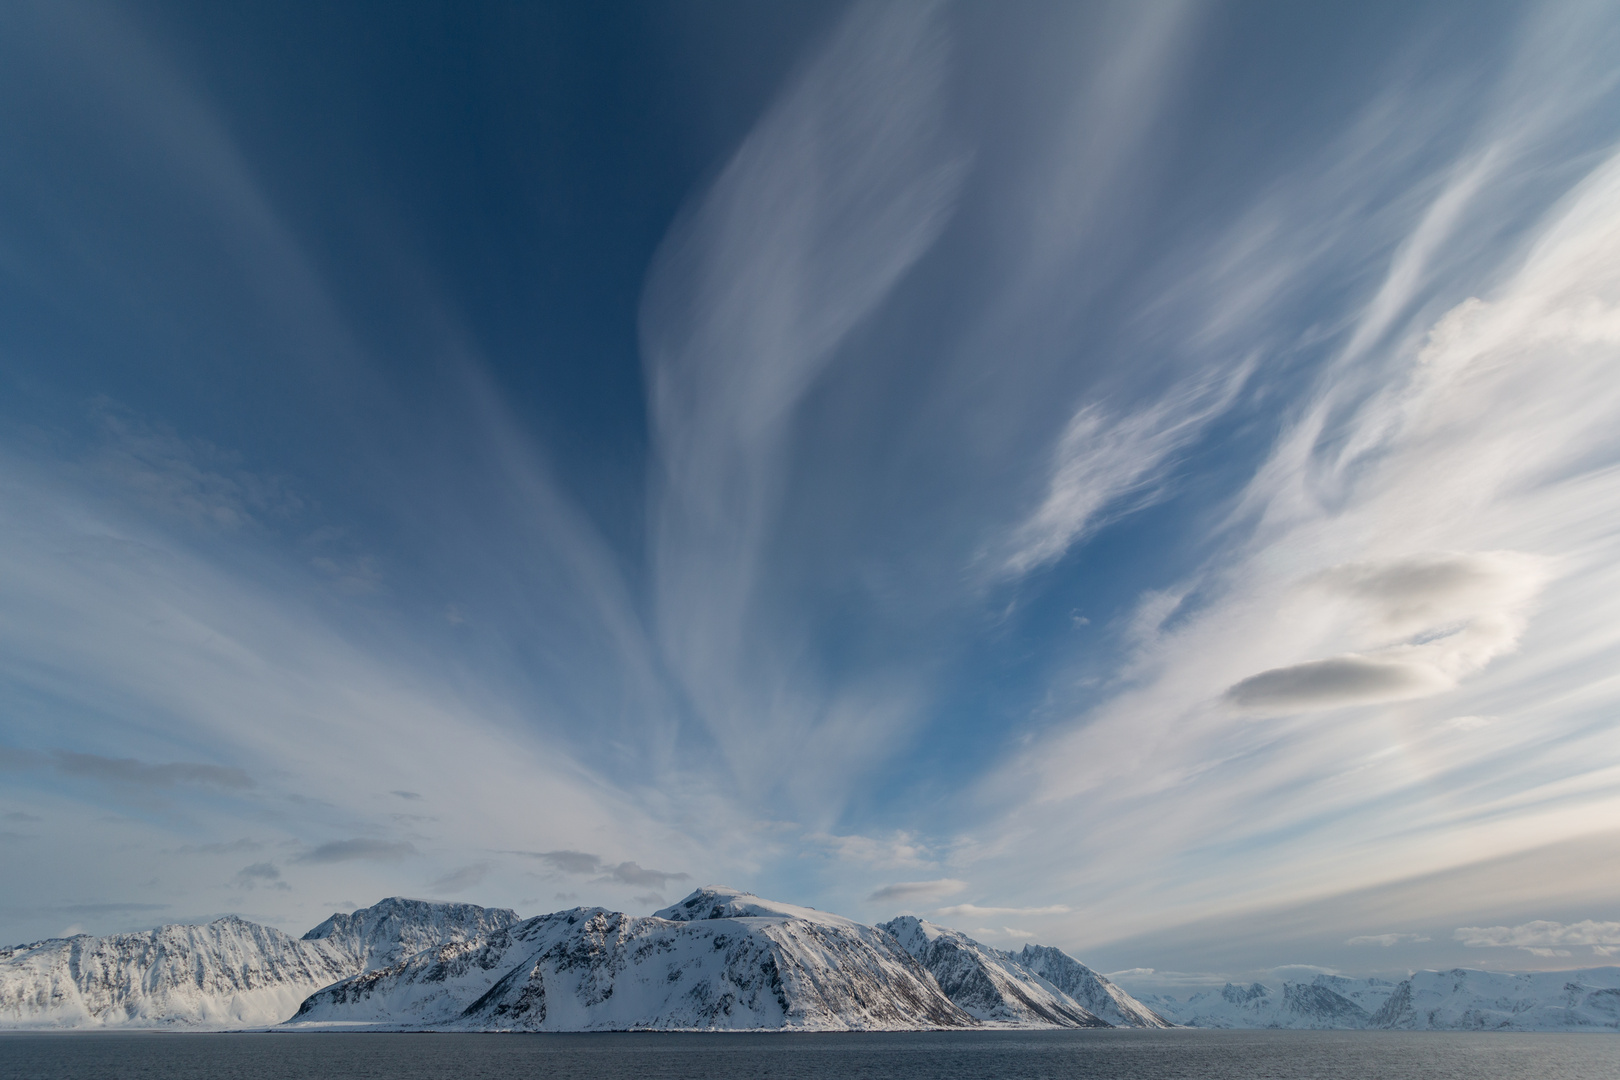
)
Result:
{"points": [[1143, 478]]}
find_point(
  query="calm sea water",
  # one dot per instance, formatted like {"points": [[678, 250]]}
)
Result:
{"points": [[1001, 1055]]}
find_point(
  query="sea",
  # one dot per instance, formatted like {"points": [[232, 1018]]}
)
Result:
{"points": [[967, 1055]]}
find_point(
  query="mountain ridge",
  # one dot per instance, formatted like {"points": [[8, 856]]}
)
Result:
{"points": [[719, 959]]}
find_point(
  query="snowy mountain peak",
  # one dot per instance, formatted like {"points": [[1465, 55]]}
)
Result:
{"points": [[723, 902], [1245, 995], [728, 961], [392, 929], [914, 933]]}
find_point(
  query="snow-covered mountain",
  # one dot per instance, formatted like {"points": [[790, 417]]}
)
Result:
{"points": [[396, 928], [1101, 998], [1455, 1000], [988, 984], [720, 959], [227, 973]]}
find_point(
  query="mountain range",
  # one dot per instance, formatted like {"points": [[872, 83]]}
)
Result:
{"points": [[720, 959], [1457, 1000]]}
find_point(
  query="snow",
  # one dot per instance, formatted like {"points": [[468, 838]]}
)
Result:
{"points": [[720, 902], [731, 961], [1457, 1000], [1095, 993], [988, 984], [719, 959], [229, 973]]}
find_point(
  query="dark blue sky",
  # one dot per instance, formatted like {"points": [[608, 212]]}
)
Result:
{"points": [[1085, 469]]}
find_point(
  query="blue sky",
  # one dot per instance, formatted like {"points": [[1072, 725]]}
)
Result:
{"points": [[1137, 477]]}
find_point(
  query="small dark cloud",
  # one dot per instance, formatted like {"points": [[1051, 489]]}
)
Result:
{"points": [[463, 878], [1326, 684], [566, 897], [358, 850], [18, 815], [629, 873], [8, 836], [625, 873], [1423, 586], [126, 770], [261, 873], [652, 900], [906, 891], [105, 909], [569, 862], [406, 795], [140, 773]]}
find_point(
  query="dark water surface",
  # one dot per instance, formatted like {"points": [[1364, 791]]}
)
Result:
{"points": [[1002, 1055]]}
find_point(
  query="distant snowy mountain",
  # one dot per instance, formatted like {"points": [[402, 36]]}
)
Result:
{"points": [[227, 973], [720, 959], [1456, 1000], [988, 984]]}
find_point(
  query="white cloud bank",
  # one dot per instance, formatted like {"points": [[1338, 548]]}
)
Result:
{"points": [[1545, 938]]}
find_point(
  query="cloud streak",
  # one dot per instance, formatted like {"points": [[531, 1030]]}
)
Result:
{"points": [[836, 193]]}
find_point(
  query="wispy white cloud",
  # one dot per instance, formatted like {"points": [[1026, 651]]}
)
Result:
{"points": [[897, 850], [1543, 937], [1430, 537], [830, 200], [977, 911], [1106, 458], [1387, 940]]}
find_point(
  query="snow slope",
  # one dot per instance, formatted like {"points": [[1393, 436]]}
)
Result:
{"points": [[1456, 1000], [1099, 997], [227, 973], [988, 984], [718, 960]]}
